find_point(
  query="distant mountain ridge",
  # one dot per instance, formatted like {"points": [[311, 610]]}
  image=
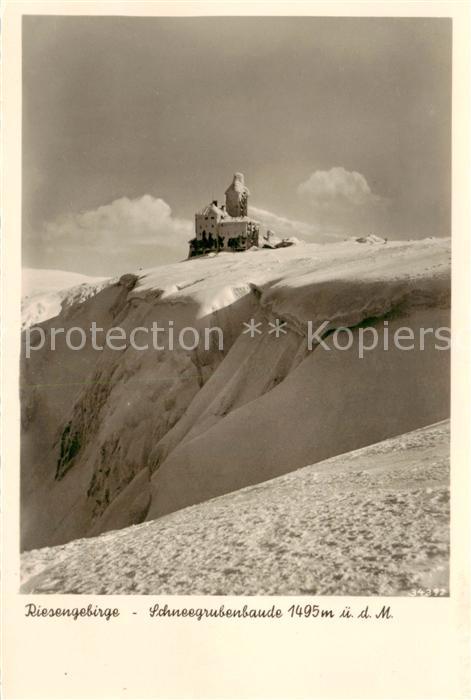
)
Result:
{"points": [[46, 292]]}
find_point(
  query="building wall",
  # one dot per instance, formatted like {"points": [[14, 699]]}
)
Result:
{"points": [[233, 234], [231, 229], [206, 224]]}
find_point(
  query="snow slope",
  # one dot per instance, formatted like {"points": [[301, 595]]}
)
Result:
{"points": [[369, 522], [112, 437], [47, 292]]}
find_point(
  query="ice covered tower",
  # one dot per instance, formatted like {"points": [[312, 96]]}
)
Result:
{"points": [[237, 197]]}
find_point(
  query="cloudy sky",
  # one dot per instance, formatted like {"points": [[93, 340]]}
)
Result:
{"points": [[341, 126]]}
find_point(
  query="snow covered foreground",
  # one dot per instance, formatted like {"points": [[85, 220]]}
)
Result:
{"points": [[111, 438], [45, 293], [370, 522]]}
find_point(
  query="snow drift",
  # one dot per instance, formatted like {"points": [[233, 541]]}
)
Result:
{"points": [[113, 437], [369, 522]]}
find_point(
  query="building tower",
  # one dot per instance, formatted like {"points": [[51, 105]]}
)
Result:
{"points": [[237, 197]]}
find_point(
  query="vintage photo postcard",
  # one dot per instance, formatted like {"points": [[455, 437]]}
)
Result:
{"points": [[235, 345]]}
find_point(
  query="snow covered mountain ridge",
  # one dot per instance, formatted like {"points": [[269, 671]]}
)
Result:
{"points": [[47, 292], [113, 438]]}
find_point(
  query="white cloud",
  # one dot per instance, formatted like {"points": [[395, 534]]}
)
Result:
{"points": [[119, 226], [285, 227], [338, 187], [137, 233]]}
